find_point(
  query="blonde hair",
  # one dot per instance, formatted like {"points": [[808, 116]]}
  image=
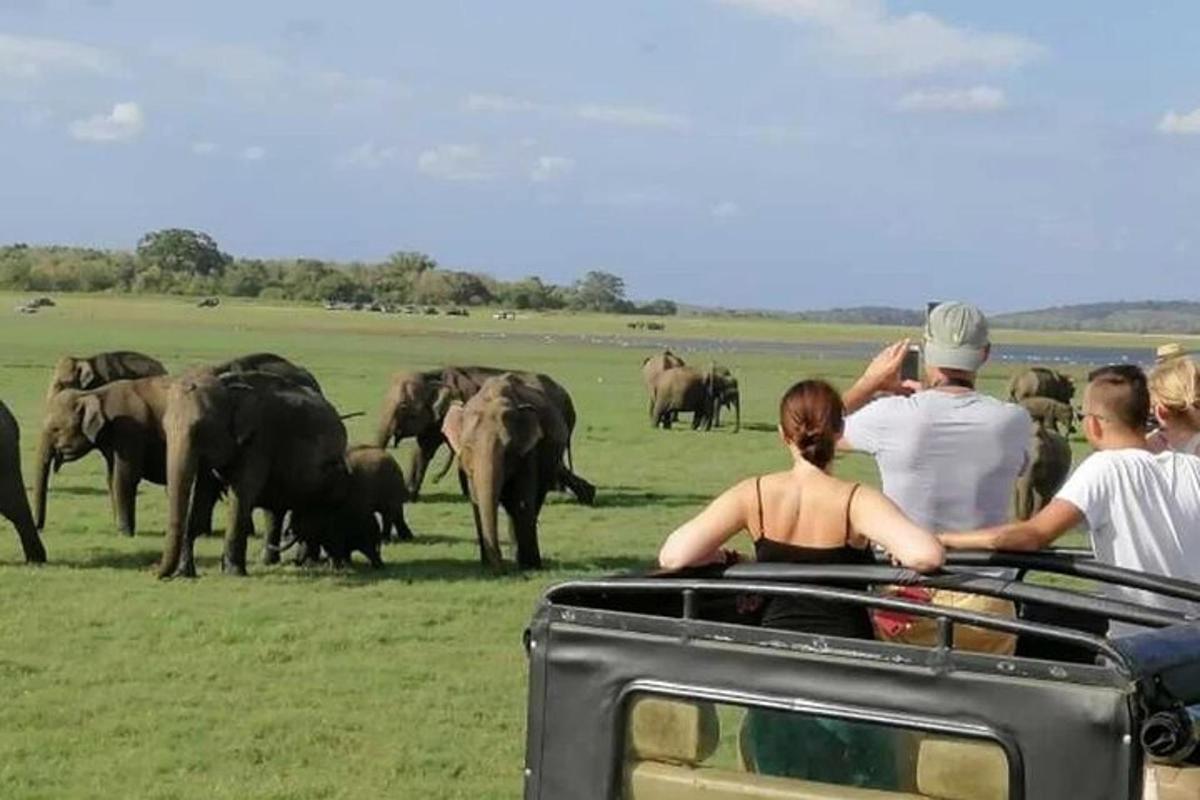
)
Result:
{"points": [[1175, 385]]}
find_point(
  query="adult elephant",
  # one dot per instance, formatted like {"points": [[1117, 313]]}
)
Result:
{"points": [[510, 438], [124, 421], [94, 371], [416, 404], [1047, 472], [273, 444], [1041, 382], [683, 389], [270, 364], [1051, 414], [14, 504]]}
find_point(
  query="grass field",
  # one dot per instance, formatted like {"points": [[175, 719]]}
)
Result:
{"points": [[408, 681]]}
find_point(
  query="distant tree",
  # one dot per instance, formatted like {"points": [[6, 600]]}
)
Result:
{"points": [[599, 291], [662, 308], [338, 287], [182, 250], [245, 279]]}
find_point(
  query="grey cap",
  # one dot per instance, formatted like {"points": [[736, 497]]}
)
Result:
{"points": [[956, 337]]}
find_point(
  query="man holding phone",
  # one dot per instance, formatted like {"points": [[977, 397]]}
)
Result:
{"points": [[947, 454]]}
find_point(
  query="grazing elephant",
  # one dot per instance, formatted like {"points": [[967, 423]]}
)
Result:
{"points": [[416, 404], [1047, 472], [376, 487], [272, 365], [683, 389], [510, 439], [14, 504], [123, 420], [1041, 382], [273, 444], [1051, 414], [95, 371]]}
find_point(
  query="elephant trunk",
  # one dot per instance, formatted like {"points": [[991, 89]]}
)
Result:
{"points": [[487, 500], [737, 412], [181, 481], [47, 458]]}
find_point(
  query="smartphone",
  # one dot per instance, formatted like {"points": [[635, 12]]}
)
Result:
{"points": [[910, 368]]}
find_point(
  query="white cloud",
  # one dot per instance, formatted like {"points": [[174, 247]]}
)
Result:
{"points": [[867, 33], [254, 153], [369, 156], [265, 76], [1174, 123], [551, 168], [123, 123], [30, 58], [977, 99], [632, 117], [203, 148], [726, 209], [498, 103], [455, 162]]}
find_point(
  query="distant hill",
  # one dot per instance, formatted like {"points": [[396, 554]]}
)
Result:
{"points": [[1147, 316]]}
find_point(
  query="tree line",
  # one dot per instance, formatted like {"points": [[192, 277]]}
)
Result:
{"points": [[187, 262]]}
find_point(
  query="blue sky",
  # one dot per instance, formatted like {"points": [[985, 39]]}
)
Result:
{"points": [[756, 153]]}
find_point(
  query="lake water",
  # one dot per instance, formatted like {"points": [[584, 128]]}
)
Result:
{"points": [[859, 351]]}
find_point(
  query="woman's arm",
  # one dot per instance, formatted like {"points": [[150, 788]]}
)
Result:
{"points": [[880, 520], [698, 540]]}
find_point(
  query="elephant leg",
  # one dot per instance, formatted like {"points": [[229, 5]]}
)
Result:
{"points": [[14, 506], [274, 520], [584, 491], [395, 520], [199, 522], [523, 502], [125, 478], [109, 468], [427, 447], [242, 499]]}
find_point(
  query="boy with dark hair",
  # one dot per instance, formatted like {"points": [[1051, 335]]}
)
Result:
{"points": [[1142, 509]]}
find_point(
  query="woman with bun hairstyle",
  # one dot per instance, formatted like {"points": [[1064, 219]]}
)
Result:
{"points": [[805, 515], [1175, 402]]}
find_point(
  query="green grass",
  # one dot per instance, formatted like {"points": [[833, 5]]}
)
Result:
{"points": [[312, 684]]}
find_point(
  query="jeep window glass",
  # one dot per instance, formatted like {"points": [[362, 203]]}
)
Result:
{"points": [[683, 749]]}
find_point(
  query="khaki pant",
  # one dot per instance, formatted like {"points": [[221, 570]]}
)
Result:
{"points": [[923, 630]]}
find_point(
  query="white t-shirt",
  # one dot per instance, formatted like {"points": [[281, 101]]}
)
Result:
{"points": [[1143, 512], [948, 460]]}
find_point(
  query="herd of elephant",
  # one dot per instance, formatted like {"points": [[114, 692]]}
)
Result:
{"points": [[260, 431]]}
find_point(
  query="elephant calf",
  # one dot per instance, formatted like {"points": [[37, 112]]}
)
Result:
{"points": [[14, 504], [376, 487]]}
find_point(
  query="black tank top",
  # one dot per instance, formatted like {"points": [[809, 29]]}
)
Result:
{"points": [[810, 614]]}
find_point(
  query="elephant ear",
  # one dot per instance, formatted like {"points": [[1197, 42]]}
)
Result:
{"points": [[452, 425], [526, 429], [247, 412], [93, 420], [85, 374]]}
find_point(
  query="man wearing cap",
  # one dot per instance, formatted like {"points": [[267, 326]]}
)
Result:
{"points": [[948, 455]]}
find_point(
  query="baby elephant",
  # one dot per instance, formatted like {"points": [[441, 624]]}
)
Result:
{"points": [[376, 486]]}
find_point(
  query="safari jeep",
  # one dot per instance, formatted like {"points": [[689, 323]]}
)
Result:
{"points": [[641, 688]]}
